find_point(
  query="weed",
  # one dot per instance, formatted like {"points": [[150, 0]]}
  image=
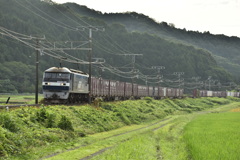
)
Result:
{"points": [[148, 99], [65, 124], [7, 121]]}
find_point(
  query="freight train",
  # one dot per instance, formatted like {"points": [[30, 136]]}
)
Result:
{"points": [[206, 93], [63, 85]]}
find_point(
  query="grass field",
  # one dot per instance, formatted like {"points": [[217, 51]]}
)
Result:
{"points": [[214, 136], [74, 132], [140, 147], [19, 99]]}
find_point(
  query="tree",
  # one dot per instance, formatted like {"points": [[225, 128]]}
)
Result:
{"points": [[7, 87]]}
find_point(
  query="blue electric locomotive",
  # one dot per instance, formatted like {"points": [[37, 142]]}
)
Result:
{"points": [[63, 85]]}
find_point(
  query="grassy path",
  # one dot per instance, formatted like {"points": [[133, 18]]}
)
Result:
{"points": [[159, 140], [89, 132], [106, 140]]}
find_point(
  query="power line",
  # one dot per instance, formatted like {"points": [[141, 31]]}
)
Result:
{"points": [[62, 25]]}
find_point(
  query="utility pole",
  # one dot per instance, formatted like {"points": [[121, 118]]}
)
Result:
{"points": [[90, 67], [196, 79], [57, 46], [146, 81], [37, 63], [99, 69], [90, 29], [179, 74], [133, 66], [79, 47], [37, 66], [209, 82], [158, 68]]}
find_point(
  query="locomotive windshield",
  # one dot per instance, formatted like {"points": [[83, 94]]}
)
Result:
{"points": [[56, 77]]}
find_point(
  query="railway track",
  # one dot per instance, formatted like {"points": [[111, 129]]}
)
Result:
{"points": [[122, 137]]}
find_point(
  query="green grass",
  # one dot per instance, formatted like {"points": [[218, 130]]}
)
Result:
{"points": [[19, 98], [141, 146], [103, 140], [170, 141], [165, 143], [35, 132], [214, 136]]}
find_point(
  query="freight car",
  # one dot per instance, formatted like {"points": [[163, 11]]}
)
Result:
{"points": [[63, 85], [112, 90], [206, 93]]}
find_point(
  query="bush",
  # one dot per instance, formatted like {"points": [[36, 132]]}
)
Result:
{"points": [[148, 99], [65, 124], [124, 118], [8, 122], [45, 118], [106, 106], [51, 121], [41, 115]]}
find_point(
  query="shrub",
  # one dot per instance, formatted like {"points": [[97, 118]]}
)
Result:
{"points": [[51, 121], [45, 118], [107, 106], [8, 122], [124, 118], [41, 115], [148, 99], [65, 124]]}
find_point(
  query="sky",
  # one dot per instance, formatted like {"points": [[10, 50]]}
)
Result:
{"points": [[215, 16]]}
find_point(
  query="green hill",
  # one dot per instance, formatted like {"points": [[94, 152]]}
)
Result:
{"points": [[159, 43]]}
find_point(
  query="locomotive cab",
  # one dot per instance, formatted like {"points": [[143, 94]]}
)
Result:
{"points": [[56, 83], [62, 85]]}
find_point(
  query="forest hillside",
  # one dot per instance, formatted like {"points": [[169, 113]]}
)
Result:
{"points": [[131, 45]]}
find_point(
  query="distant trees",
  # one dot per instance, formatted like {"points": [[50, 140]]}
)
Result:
{"points": [[6, 86], [160, 43], [16, 77]]}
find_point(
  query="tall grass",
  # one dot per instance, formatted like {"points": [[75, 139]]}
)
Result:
{"points": [[214, 136], [170, 140], [141, 147], [25, 131]]}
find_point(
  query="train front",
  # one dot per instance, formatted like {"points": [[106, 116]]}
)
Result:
{"points": [[56, 85]]}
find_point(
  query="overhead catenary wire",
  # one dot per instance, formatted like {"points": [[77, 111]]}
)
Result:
{"points": [[7, 33], [100, 46], [52, 22], [21, 37], [130, 74], [55, 55]]}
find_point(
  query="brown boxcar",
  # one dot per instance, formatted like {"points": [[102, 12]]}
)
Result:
{"points": [[142, 90]]}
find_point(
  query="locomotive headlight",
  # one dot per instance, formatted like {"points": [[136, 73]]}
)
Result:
{"points": [[63, 84], [47, 83]]}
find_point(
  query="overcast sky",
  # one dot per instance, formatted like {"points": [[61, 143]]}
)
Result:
{"points": [[215, 16]]}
